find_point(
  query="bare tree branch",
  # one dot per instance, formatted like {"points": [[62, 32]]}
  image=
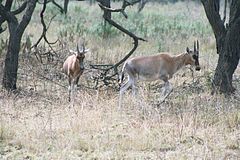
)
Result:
{"points": [[135, 38], [142, 5], [104, 77], [48, 1], [234, 11], [216, 4], [122, 10], [8, 5], [7, 15], [65, 6], [27, 15], [211, 8], [2, 29], [45, 28], [60, 7], [20, 9], [212, 12], [7, 8]]}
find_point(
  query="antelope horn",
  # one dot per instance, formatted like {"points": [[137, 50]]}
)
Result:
{"points": [[78, 49], [194, 46], [83, 47], [197, 45]]}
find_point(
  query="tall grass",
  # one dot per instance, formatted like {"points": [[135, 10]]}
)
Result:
{"points": [[156, 23]]}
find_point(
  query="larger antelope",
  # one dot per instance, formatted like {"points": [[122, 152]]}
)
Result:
{"points": [[73, 67], [161, 66]]}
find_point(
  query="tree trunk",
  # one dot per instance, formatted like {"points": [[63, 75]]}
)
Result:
{"points": [[106, 15], [16, 31], [65, 7], [11, 60], [229, 51], [227, 42]]}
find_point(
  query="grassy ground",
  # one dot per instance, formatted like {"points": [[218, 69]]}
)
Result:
{"points": [[37, 122]]}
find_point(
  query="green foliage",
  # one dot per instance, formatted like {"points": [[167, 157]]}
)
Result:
{"points": [[154, 23], [103, 29]]}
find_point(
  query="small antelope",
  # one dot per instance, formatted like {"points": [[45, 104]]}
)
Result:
{"points": [[73, 67], [161, 66]]}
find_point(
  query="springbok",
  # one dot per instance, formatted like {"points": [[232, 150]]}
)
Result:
{"points": [[73, 67], [154, 67]]}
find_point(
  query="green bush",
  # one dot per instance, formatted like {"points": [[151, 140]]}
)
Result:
{"points": [[150, 23]]}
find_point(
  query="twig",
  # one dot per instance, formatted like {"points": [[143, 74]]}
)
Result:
{"points": [[165, 96], [56, 4]]}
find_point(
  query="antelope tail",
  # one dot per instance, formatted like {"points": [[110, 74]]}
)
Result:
{"points": [[121, 75]]}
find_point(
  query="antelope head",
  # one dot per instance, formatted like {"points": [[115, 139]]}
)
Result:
{"points": [[80, 54], [194, 56]]}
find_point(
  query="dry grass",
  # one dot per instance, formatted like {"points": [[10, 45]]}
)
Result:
{"points": [[43, 125], [37, 122]]}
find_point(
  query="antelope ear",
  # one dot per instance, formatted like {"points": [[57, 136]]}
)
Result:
{"points": [[73, 52], [187, 49], [86, 50]]}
